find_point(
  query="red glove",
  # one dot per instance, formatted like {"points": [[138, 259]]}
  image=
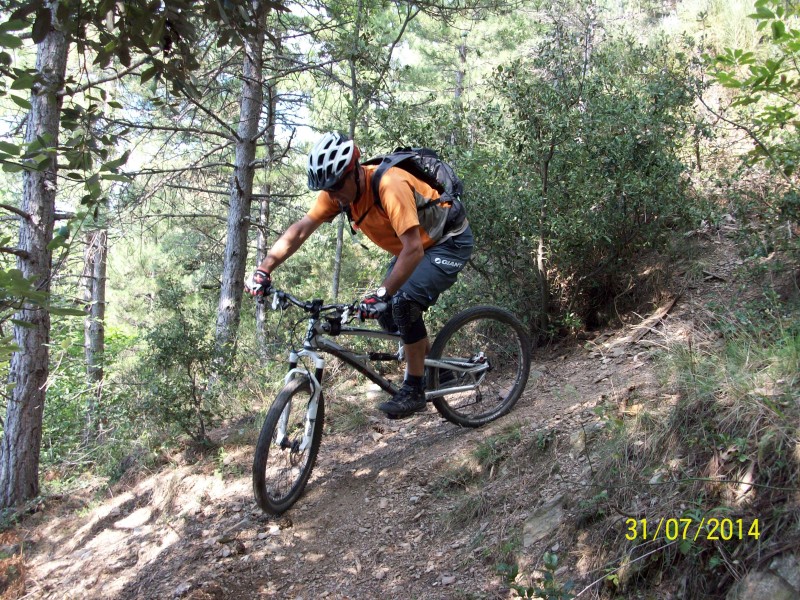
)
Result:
{"points": [[258, 284], [373, 306]]}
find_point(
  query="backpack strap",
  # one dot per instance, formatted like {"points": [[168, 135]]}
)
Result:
{"points": [[392, 160], [384, 164]]}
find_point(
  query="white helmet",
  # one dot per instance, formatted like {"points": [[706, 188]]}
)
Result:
{"points": [[329, 160]]}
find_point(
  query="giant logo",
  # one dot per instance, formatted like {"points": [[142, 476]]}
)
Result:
{"points": [[446, 263]]}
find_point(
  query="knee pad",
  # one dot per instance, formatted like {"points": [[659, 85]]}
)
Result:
{"points": [[407, 315]]}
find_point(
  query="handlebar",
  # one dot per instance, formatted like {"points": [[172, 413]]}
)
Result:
{"points": [[281, 299]]}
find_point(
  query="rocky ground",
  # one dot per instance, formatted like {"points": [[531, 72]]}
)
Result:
{"points": [[397, 509]]}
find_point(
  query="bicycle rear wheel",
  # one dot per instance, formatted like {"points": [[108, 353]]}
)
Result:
{"points": [[497, 343], [281, 468]]}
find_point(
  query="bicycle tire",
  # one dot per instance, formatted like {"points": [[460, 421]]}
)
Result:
{"points": [[505, 345], [280, 471]]}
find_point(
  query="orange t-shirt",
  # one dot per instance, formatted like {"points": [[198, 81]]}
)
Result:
{"points": [[398, 212]]}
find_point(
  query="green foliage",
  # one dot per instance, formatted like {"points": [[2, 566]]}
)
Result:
{"points": [[17, 292], [590, 169], [547, 588], [767, 83], [64, 435], [765, 87], [14, 290], [494, 450], [179, 362], [347, 416]]}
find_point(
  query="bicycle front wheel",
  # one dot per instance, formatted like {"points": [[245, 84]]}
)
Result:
{"points": [[493, 352], [287, 447]]}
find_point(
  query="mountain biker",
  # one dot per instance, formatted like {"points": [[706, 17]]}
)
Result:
{"points": [[421, 269]]}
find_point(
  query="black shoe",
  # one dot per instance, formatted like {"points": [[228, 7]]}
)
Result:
{"points": [[406, 401]]}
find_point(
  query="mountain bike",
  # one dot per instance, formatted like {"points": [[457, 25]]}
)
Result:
{"points": [[476, 371]]}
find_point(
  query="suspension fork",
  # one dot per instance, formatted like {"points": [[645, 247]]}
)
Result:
{"points": [[315, 380]]}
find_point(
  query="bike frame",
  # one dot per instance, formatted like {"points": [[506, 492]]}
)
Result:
{"points": [[316, 344]]}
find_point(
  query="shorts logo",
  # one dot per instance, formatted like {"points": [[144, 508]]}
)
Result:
{"points": [[446, 263]]}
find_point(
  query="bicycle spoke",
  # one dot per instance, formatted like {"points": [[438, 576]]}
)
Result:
{"points": [[486, 337], [282, 464]]}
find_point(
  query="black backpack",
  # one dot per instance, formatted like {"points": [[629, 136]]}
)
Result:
{"points": [[425, 165]]}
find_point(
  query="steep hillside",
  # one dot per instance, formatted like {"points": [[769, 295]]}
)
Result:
{"points": [[416, 508]]}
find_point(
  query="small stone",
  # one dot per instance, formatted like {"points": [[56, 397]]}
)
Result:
{"points": [[448, 579], [758, 584], [786, 566], [577, 441], [544, 520], [380, 574], [182, 589]]}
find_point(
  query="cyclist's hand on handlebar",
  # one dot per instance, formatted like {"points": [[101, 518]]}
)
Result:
{"points": [[258, 284], [373, 306]]}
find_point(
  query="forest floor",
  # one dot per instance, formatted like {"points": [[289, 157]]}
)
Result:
{"points": [[417, 508]]}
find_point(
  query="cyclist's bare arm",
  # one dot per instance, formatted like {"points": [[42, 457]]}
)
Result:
{"points": [[286, 245], [408, 259]]}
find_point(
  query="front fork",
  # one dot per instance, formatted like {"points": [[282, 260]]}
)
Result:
{"points": [[315, 381]]}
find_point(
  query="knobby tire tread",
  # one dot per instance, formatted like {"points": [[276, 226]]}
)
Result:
{"points": [[265, 446]]}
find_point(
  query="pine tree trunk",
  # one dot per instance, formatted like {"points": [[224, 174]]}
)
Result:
{"points": [[94, 295], [354, 102], [241, 195], [20, 446], [264, 211], [459, 89], [543, 317], [337, 260]]}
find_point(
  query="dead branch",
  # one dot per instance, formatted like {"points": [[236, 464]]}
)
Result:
{"points": [[646, 326]]}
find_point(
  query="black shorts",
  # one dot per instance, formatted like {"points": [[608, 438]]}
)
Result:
{"points": [[438, 269]]}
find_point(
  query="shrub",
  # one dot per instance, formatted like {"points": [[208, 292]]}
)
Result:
{"points": [[591, 174], [177, 368]]}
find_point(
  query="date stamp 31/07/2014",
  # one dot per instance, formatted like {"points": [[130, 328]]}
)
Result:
{"points": [[684, 528]]}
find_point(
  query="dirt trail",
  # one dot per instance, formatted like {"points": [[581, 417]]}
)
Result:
{"points": [[401, 509]]}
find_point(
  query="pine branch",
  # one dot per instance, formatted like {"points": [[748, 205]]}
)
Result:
{"points": [[16, 211], [171, 129], [15, 251], [114, 77]]}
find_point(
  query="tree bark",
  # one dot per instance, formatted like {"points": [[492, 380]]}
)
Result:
{"points": [[543, 317], [458, 93], [94, 295], [20, 446], [264, 210], [354, 99], [241, 195]]}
